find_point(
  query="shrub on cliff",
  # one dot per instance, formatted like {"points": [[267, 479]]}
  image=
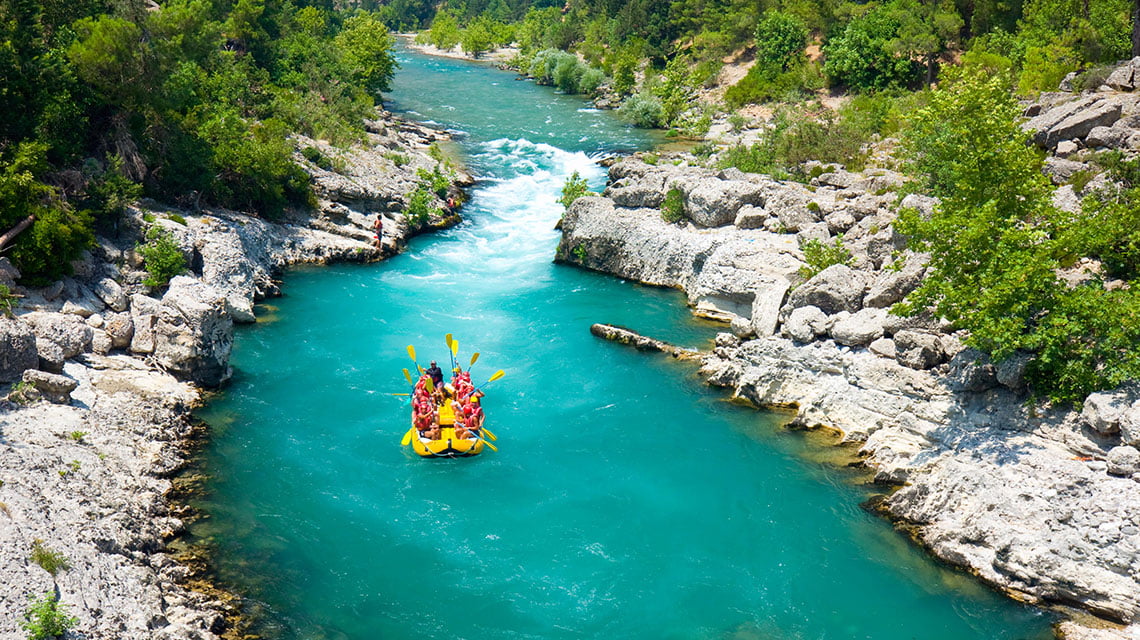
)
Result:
{"points": [[162, 258], [574, 188], [421, 207], [673, 206], [820, 256], [46, 618]]}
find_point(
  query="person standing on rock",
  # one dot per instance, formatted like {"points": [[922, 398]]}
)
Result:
{"points": [[378, 227]]}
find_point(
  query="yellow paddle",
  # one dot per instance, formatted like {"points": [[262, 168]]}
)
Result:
{"points": [[398, 394], [498, 374], [412, 355], [449, 340], [488, 443], [409, 377], [408, 437], [474, 357]]}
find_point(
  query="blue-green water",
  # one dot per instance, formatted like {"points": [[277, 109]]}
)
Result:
{"points": [[627, 500]]}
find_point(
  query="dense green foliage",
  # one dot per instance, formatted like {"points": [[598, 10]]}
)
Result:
{"points": [[46, 618], [162, 258], [190, 101], [887, 44], [997, 246]]}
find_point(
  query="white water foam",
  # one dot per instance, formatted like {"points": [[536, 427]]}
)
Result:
{"points": [[512, 215]]}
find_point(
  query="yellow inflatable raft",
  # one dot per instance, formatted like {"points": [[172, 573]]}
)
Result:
{"points": [[449, 444]]}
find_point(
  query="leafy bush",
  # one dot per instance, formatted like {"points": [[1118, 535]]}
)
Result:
{"points": [[46, 618], [51, 561], [162, 258], [642, 110], [574, 188], [799, 134], [820, 256], [420, 207], [434, 181], [314, 155], [673, 207], [109, 190]]}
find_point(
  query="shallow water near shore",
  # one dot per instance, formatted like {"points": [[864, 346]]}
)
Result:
{"points": [[627, 499]]}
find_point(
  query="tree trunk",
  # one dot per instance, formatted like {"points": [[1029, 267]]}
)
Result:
{"points": [[16, 230], [1135, 28]]}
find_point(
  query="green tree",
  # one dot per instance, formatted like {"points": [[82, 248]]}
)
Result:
{"points": [[366, 46], [444, 33], [780, 40], [861, 56], [478, 36], [926, 30]]}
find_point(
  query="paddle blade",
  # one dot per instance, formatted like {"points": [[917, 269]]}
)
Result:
{"points": [[399, 394], [454, 348], [493, 447], [408, 437], [490, 436], [448, 339], [474, 357], [412, 352], [430, 385], [408, 376], [498, 374]]}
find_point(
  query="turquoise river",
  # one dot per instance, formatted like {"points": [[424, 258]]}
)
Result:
{"points": [[627, 499]]}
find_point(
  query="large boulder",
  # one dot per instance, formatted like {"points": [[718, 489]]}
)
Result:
{"points": [[51, 355], [54, 388], [1123, 460], [1104, 411], [1111, 137], [836, 288], [17, 349], [859, 328], [120, 329], [806, 323], [144, 313], [1124, 77], [890, 286], [111, 293], [70, 332], [790, 205], [713, 202], [767, 303], [1072, 120], [918, 350], [638, 191], [971, 370], [193, 334]]}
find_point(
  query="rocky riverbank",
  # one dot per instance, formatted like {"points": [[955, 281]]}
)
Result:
{"points": [[1042, 502], [105, 370]]}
